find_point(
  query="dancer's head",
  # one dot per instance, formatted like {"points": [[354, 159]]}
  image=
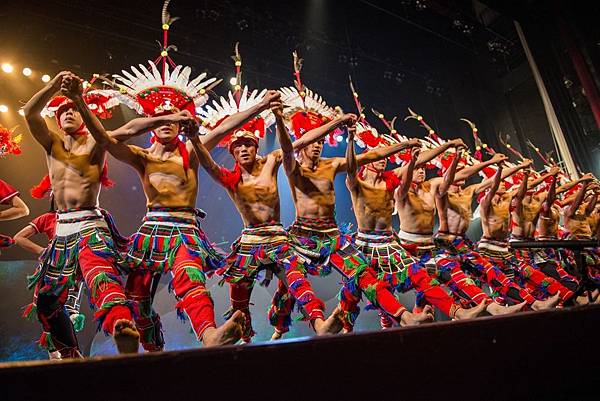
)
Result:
{"points": [[419, 175], [243, 146], [313, 151], [69, 119]]}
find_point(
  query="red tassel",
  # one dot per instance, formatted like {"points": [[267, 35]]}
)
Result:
{"points": [[104, 180], [41, 189], [231, 178], [180, 146]]}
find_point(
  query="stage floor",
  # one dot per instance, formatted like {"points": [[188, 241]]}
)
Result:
{"points": [[549, 355]]}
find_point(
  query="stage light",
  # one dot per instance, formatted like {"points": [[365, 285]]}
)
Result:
{"points": [[7, 68], [27, 71], [3, 108], [21, 113], [46, 78], [233, 81]]}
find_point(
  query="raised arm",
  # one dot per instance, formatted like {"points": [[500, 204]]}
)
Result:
{"points": [[537, 181], [572, 209], [316, 134], [352, 165], [467, 172], [287, 147], [550, 198], [381, 153], [407, 174], [449, 177], [236, 120], [190, 129], [71, 87], [17, 209], [143, 125], [591, 205], [435, 152], [506, 172], [35, 105], [517, 200], [486, 202], [571, 184]]}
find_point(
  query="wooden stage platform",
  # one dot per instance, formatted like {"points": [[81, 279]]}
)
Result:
{"points": [[530, 356]]}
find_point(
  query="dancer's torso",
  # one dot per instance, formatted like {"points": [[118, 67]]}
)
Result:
{"points": [[256, 196], [313, 191], [373, 206], [578, 225], [524, 223], [165, 180], [457, 216], [494, 223], [547, 227], [75, 168], [417, 210]]}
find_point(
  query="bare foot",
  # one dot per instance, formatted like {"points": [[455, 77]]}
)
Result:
{"points": [[276, 335], [582, 300], [414, 319], [463, 314], [228, 333], [332, 325], [497, 309], [126, 337], [549, 303]]}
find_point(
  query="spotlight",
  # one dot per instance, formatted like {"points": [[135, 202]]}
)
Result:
{"points": [[21, 112], [45, 78], [27, 71], [233, 81], [7, 68], [3, 108]]}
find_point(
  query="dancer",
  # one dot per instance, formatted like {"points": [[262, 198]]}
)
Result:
{"points": [[315, 233], [496, 212], [252, 186], [86, 242], [416, 208], [170, 238], [372, 190]]}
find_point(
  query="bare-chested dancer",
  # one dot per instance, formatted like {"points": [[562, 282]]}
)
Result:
{"points": [[252, 186], [416, 209], [86, 244], [316, 236], [554, 262], [495, 217], [455, 217], [577, 214], [170, 238], [372, 190]]}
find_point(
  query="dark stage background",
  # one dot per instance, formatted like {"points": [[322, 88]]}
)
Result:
{"points": [[444, 59]]}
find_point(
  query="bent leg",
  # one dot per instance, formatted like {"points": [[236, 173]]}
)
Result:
{"points": [[147, 321]]}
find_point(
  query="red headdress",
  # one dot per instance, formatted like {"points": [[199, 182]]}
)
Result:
{"points": [[305, 110], [9, 144], [100, 102], [151, 92], [240, 99]]}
